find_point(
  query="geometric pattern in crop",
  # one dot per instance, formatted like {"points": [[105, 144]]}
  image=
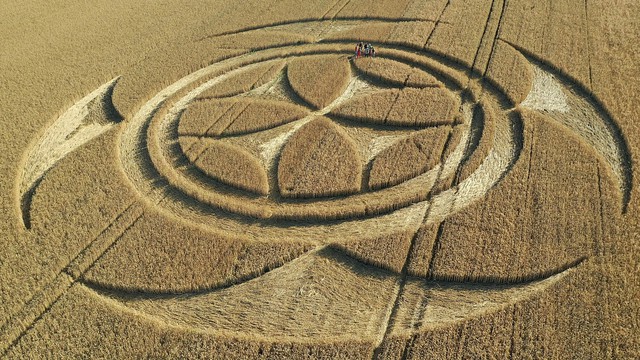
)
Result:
{"points": [[367, 120], [393, 165]]}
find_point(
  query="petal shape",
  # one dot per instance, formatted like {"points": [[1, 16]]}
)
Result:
{"points": [[511, 72], [369, 108], [236, 116], [262, 114], [233, 166], [202, 116], [395, 73], [408, 158], [244, 80], [319, 160], [431, 106], [408, 107], [319, 80]]}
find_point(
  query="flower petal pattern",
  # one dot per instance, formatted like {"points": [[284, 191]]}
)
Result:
{"points": [[407, 107], [319, 80], [319, 160], [408, 157], [236, 116], [245, 80], [396, 73], [234, 166]]}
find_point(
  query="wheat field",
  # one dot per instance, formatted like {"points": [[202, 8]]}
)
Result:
{"points": [[228, 180]]}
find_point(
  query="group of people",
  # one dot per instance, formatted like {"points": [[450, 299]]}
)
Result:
{"points": [[366, 50]]}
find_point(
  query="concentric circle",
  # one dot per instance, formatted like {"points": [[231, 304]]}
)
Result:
{"points": [[157, 127]]}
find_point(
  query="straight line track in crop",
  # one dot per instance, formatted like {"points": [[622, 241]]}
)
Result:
{"points": [[34, 309], [437, 22], [405, 274]]}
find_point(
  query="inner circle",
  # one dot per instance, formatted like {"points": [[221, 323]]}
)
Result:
{"points": [[361, 204]]}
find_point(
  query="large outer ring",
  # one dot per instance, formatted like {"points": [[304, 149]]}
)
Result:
{"points": [[142, 133]]}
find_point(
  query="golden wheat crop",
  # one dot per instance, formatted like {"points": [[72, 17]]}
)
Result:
{"points": [[421, 253], [396, 107], [256, 41], [453, 143], [319, 160], [437, 106], [509, 70], [234, 166], [461, 42], [388, 251], [245, 80], [261, 115], [413, 34], [482, 140], [407, 158], [536, 162], [405, 33], [210, 259], [375, 33], [566, 30], [365, 9], [394, 72], [236, 116], [192, 146], [204, 116], [227, 181], [319, 80], [373, 108]]}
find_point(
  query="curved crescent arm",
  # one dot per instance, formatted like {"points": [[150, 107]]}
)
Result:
{"points": [[571, 104], [71, 130]]}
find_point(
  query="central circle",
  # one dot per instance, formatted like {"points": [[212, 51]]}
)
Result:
{"points": [[305, 134], [226, 173], [321, 135]]}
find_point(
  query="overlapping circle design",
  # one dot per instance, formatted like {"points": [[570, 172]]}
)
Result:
{"points": [[160, 135], [163, 158]]}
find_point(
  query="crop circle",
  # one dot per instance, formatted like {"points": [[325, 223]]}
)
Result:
{"points": [[168, 150]]}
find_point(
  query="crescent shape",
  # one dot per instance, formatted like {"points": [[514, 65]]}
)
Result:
{"points": [[565, 100], [68, 132]]}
